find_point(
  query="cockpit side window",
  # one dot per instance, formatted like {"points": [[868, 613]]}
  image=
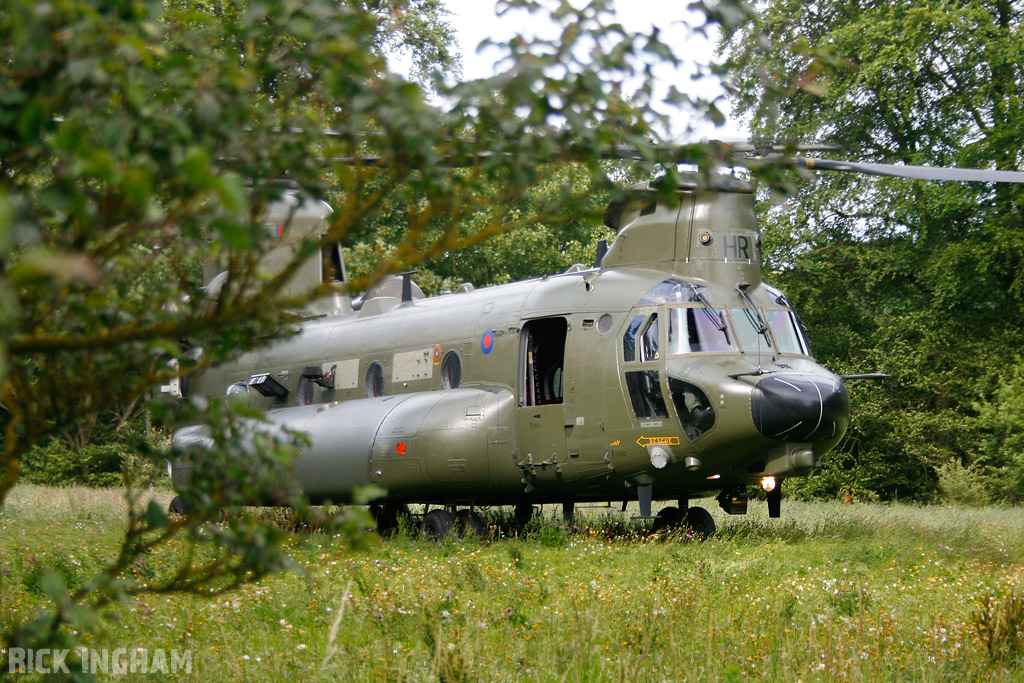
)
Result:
{"points": [[640, 342], [644, 389], [649, 340], [629, 339], [786, 332]]}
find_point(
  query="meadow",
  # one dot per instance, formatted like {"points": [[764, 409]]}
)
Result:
{"points": [[829, 592]]}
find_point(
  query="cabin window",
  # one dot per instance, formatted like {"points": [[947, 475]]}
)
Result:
{"points": [[645, 394], [375, 380], [451, 370], [542, 358]]}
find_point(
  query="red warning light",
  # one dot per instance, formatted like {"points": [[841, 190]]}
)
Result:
{"points": [[400, 450]]}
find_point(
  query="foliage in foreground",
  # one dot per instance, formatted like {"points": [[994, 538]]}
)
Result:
{"points": [[831, 591]]}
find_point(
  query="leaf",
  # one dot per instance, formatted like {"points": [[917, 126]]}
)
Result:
{"points": [[53, 586], [30, 121], [42, 264], [195, 166], [233, 194], [155, 517]]}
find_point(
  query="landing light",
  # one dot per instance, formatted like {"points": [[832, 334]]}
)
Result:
{"points": [[768, 484], [715, 476], [692, 463]]}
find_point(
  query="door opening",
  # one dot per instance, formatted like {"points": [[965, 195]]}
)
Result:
{"points": [[541, 362]]}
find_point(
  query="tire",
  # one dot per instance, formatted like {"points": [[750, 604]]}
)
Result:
{"points": [[388, 515], [524, 513], [469, 524], [669, 518], [437, 523], [178, 506], [700, 522]]}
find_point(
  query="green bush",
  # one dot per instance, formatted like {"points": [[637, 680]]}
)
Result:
{"points": [[97, 464], [962, 485]]}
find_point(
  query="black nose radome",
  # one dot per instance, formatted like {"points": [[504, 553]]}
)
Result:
{"points": [[800, 408]]}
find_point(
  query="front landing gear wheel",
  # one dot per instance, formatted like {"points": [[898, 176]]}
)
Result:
{"points": [[668, 518], [437, 523], [178, 506], [700, 522]]}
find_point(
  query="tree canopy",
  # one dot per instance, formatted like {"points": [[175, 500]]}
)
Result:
{"points": [[922, 280]]}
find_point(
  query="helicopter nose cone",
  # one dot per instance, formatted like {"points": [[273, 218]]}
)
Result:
{"points": [[800, 408]]}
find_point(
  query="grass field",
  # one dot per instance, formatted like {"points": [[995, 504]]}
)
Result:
{"points": [[829, 592]]}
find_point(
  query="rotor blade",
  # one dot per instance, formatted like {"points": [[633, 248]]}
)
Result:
{"points": [[615, 152], [920, 172]]}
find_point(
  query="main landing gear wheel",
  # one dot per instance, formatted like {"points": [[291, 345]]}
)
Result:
{"points": [[388, 515], [178, 506], [700, 522], [524, 513], [437, 523], [469, 524], [668, 518]]}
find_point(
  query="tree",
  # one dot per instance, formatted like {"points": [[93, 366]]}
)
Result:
{"points": [[923, 280], [141, 139]]}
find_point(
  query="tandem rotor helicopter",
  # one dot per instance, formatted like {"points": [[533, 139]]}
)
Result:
{"points": [[667, 371]]}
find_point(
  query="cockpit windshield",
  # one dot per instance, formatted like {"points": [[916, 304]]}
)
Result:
{"points": [[696, 324], [752, 333], [696, 329]]}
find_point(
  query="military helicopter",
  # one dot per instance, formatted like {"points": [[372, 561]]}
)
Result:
{"points": [[666, 371]]}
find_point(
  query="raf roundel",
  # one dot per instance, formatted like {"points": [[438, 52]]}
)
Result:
{"points": [[487, 341]]}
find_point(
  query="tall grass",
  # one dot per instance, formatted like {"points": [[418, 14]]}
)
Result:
{"points": [[829, 592]]}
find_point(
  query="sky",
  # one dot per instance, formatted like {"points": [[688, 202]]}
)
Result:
{"points": [[475, 20]]}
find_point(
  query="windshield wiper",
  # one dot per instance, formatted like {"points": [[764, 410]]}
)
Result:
{"points": [[753, 313], [709, 311], [752, 373]]}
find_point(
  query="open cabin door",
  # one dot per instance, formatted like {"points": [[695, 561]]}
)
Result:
{"points": [[540, 417]]}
